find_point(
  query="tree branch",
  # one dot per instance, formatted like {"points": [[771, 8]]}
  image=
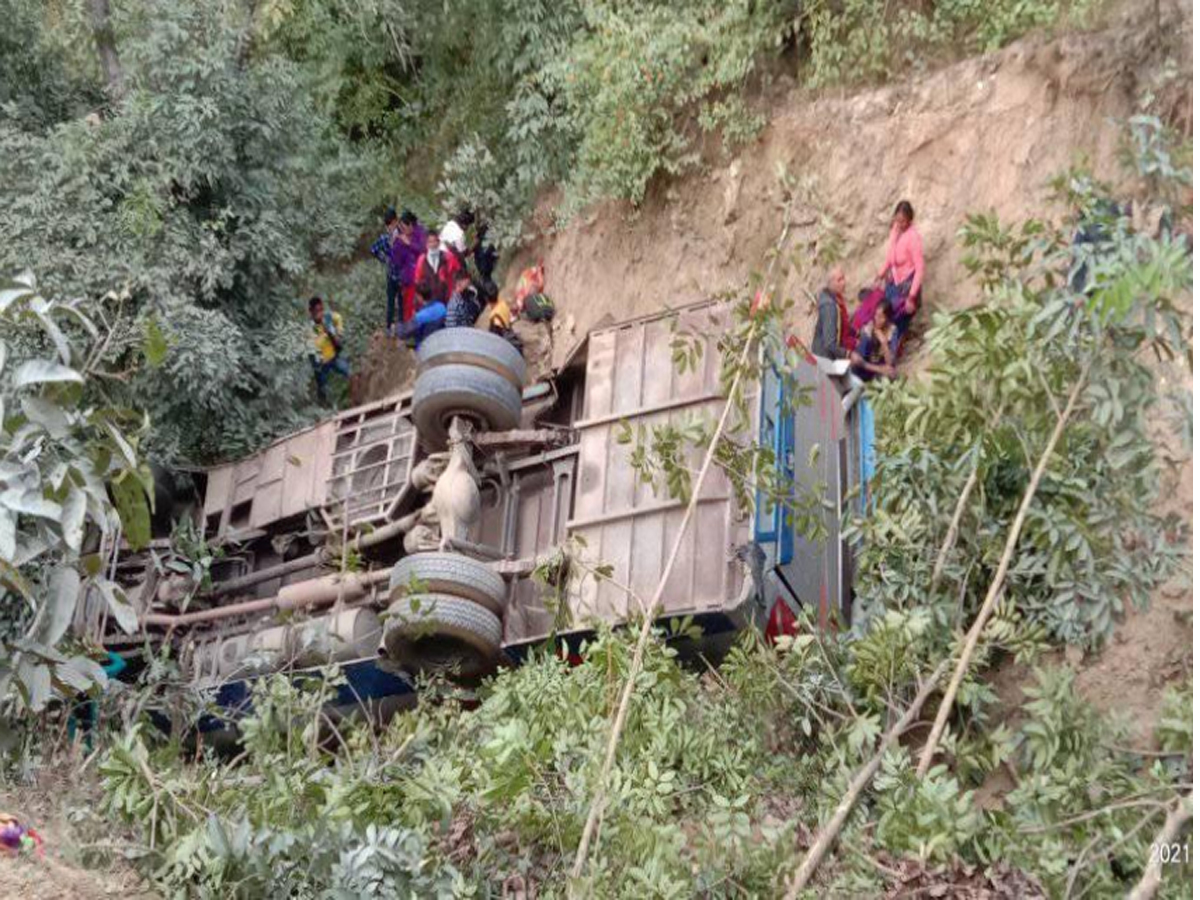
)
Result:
{"points": [[106, 46], [1151, 878], [994, 592], [831, 829]]}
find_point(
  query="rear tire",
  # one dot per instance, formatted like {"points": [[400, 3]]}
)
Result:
{"points": [[472, 346], [489, 401], [444, 634], [449, 573]]}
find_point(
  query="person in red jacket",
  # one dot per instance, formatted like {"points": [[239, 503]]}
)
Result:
{"points": [[436, 271]]}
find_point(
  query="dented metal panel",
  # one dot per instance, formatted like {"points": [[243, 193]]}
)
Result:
{"points": [[624, 524]]}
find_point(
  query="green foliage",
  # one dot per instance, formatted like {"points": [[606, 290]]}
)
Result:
{"points": [[60, 456], [999, 372], [1084, 810], [37, 85], [868, 39], [203, 192], [641, 72], [450, 801]]}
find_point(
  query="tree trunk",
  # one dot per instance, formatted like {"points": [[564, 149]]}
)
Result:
{"points": [[106, 46], [1180, 815]]}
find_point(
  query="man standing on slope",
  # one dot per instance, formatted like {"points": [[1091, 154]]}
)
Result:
{"points": [[327, 345]]}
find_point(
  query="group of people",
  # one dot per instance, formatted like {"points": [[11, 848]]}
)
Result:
{"points": [[870, 340], [430, 285]]}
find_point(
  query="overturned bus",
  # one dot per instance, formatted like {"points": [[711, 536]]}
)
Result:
{"points": [[427, 531]]}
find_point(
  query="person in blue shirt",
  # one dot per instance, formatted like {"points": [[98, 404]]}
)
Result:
{"points": [[429, 318]]}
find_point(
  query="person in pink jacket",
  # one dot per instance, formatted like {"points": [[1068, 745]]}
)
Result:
{"points": [[903, 271]]}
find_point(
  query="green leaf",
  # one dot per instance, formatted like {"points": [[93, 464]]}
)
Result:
{"points": [[133, 507], [43, 371], [217, 838], [74, 512], [154, 344], [30, 503], [60, 605], [9, 296], [123, 445], [119, 605], [49, 415], [80, 673], [35, 678]]}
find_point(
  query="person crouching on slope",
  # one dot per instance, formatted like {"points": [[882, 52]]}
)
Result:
{"points": [[429, 318], [465, 305]]}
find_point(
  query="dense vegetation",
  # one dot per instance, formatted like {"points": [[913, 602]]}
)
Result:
{"points": [[179, 176], [213, 162], [720, 782]]}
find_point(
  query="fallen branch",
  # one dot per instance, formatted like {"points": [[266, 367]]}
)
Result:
{"points": [[1151, 878], [833, 827], [952, 531], [960, 509], [997, 586]]}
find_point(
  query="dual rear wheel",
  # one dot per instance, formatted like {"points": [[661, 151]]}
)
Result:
{"points": [[446, 609]]}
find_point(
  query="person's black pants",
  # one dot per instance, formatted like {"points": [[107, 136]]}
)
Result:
{"points": [[393, 302]]}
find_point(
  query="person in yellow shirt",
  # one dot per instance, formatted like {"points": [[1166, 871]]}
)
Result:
{"points": [[327, 345]]}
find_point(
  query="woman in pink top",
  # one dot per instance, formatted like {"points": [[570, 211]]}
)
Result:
{"points": [[903, 271]]}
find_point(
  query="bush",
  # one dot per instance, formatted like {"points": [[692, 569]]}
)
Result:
{"points": [[866, 40]]}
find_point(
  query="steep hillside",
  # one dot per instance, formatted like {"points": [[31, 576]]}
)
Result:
{"points": [[984, 134]]}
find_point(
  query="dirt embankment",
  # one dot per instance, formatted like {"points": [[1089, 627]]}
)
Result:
{"points": [[986, 133]]}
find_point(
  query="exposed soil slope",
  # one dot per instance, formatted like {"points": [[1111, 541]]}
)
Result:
{"points": [[986, 133]]}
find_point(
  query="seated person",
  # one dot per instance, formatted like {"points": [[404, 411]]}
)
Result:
{"points": [[430, 317], [831, 334], [465, 304], [500, 316], [903, 272], [874, 356], [327, 345]]}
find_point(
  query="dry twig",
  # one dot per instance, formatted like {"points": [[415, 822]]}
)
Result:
{"points": [[1151, 878]]}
